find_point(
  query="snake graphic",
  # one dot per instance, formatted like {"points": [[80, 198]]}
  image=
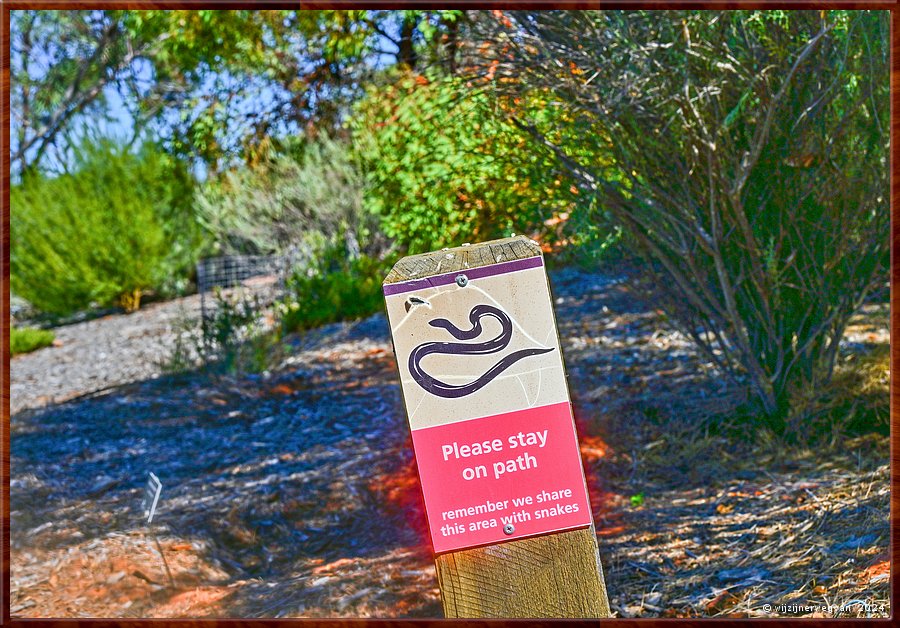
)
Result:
{"points": [[450, 391]]}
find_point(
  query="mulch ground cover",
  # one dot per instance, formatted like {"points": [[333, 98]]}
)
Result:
{"points": [[294, 493]]}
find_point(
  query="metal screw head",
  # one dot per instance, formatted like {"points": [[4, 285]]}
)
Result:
{"points": [[461, 281], [509, 528]]}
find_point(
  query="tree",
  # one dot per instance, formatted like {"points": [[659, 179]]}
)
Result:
{"points": [[63, 64], [61, 61], [212, 84], [753, 153], [317, 64]]}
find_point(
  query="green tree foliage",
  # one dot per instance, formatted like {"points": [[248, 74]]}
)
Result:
{"points": [[212, 84], [310, 68], [63, 64], [753, 149], [345, 49], [445, 166], [120, 224]]}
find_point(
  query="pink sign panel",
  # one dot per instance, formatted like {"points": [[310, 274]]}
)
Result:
{"points": [[488, 406], [501, 477]]}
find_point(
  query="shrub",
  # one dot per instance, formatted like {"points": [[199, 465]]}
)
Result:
{"points": [[119, 225], [341, 291], [445, 166], [304, 198], [235, 318], [232, 338], [27, 339], [754, 150]]}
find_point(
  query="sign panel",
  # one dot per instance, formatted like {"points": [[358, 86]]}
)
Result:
{"points": [[488, 406]]}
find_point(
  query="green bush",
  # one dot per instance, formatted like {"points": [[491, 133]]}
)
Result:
{"points": [[119, 225], [342, 291], [27, 339], [445, 165]]}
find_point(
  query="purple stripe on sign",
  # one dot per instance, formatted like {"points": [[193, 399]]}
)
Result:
{"points": [[471, 273]]}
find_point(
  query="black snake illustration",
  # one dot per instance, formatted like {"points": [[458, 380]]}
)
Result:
{"points": [[449, 391]]}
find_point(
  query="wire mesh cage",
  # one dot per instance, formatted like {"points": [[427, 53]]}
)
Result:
{"points": [[261, 277]]}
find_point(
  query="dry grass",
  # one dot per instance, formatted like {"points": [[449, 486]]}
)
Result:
{"points": [[813, 533]]}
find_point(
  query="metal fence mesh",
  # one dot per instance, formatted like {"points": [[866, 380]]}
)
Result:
{"points": [[236, 276]]}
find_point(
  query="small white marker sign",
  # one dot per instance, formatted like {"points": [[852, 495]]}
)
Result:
{"points": [[151, 497]]}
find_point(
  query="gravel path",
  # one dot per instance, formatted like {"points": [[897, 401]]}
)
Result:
{"points": [[100, 353]]}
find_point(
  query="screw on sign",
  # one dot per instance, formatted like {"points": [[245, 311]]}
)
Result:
{"points": [[485, 392]]}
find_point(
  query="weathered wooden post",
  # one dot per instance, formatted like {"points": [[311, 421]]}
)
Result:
{"points": [[485, 391]]}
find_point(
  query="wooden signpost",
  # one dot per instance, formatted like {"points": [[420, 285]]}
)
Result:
{"points": [[485, 391]]}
